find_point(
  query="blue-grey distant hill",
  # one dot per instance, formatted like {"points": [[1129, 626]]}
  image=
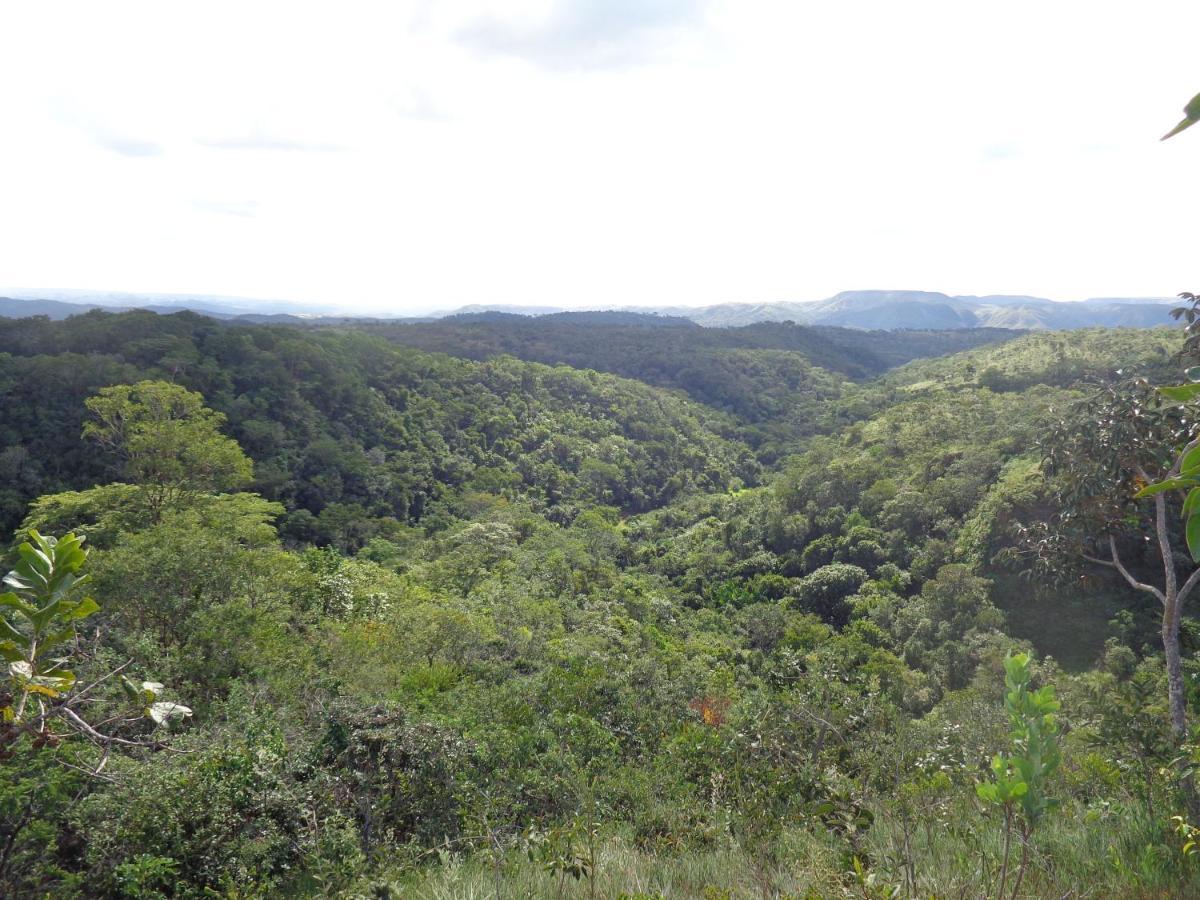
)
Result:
{"points": [[931, 310], [20, 308], [872, 310]]}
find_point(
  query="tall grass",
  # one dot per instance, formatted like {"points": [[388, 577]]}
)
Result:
{"points": [[1098, 851]]}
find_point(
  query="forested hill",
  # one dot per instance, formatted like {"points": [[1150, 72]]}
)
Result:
{"points": [[782, 381], [671, 350], [477, 627], [346, 428]]}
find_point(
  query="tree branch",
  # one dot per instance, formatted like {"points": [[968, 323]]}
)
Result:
{"points": [[1115, 563], [96, 736]]}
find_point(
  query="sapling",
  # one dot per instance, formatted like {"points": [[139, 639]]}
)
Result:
{"points": [[1019, 778]]}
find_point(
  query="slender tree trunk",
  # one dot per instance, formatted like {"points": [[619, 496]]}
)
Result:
{"points": [[1008, 818], [1176, 689], [1172, 596], [1024, 860]]}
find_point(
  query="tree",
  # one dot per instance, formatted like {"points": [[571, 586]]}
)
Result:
{"points": [[1102, 455], [824, 592], [169, 443]]}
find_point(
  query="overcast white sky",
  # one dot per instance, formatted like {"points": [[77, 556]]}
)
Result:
{"points": [[408, 156]]}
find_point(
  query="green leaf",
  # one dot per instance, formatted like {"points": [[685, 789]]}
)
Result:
{"points": [[1192, 503], [82, 610], [1181, 393], [11, 599], [9, 651], [131, 690], [9, 633], [35, 559], [1193, 537], [987, 792], [54, 639], [1169, 484]]}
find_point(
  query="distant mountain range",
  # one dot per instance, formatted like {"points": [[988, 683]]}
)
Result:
{"points": [[888, 310], [927, 309]]}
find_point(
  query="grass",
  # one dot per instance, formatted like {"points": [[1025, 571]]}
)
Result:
{"points": [[1081, 852]]}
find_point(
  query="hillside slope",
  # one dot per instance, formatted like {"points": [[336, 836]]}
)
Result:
{"points": [[351, 427]]}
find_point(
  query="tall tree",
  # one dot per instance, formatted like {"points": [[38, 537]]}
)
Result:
{"points": [[169, 443], [1102, 455]]}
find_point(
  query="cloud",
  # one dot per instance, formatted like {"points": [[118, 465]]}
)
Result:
{"points": [[102, 135], [128, 146], [416, 103], [258, 141], [242, 209], [586, 34], [1001, 151]]}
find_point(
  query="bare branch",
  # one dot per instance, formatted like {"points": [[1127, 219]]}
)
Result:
{"points": [[96, 736], [1116, 563], [96, 773], [80, 694]]}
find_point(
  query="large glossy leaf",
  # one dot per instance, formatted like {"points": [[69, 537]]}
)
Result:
{"points": [[1169, 484], [1181, 393], [1193, 536], [81, 610], [1192, 503], [1190, 462]]}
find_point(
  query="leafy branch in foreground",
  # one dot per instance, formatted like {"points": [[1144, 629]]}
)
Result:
{"points": [[38, 619]]}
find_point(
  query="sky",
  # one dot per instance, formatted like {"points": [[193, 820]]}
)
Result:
{"points": [[405, 157]]}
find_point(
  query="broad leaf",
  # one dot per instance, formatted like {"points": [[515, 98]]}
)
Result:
{"points": [[1169, 484], [1192, 503], [1181, 393], [1193, 536]]}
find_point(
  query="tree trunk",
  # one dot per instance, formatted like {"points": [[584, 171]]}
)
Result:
{"points": [[1176, 690]]}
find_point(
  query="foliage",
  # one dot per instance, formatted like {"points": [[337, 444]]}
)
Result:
{"points": [[1020, 779], [43, 603], [169, 443], [479, 608]]}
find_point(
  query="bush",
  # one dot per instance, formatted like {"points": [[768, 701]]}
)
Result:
{"points": [[401, 779]]}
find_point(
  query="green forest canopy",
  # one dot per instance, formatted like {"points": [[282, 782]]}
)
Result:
{"points": [[728, 599]]}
